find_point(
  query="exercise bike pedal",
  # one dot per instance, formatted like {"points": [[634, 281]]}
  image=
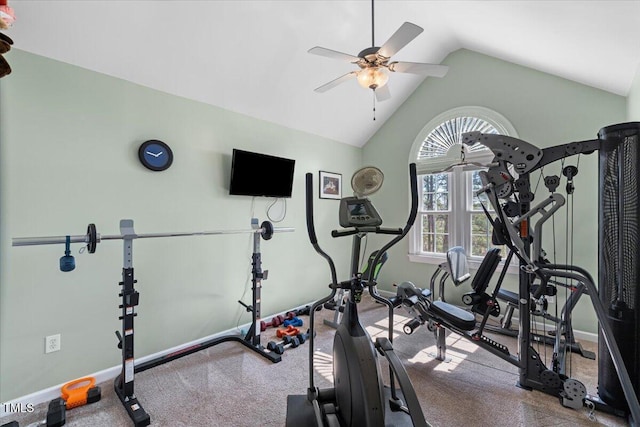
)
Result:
{"points": [[397, 405]]}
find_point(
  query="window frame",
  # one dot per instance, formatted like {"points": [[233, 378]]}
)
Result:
{"points": [[447, 212], [460, 197]]}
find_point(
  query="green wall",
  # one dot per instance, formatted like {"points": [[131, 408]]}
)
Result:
{"points": [[633, 99], [545, 110], [68, 157]]}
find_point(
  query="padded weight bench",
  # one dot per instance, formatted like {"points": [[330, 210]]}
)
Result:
{"points": [[442, 315], [417, 302]]}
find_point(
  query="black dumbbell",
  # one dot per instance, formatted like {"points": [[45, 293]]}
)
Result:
{"points": [[274, 322], [57, 413], [300, 312], [303, 337], [292, 341], [279, 347], [306, 310]]}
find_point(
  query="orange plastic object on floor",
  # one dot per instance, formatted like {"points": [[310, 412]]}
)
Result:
{"points": [[75, 394]]}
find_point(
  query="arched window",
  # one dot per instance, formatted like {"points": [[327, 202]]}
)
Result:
{"points": [[449, 213]]}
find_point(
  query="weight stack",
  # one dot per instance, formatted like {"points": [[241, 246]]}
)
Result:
{"points": [[619, 255]]}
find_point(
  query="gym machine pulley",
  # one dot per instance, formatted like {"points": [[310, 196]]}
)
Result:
{"points": [[124, 383]]}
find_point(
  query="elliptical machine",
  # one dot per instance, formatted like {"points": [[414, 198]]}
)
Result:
{"points": [[358, 396]]}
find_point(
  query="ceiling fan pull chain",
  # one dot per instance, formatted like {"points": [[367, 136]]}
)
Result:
{"points": [[374, 104]]}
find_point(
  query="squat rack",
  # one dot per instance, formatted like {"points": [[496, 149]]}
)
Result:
{"points": [[124, 383]]}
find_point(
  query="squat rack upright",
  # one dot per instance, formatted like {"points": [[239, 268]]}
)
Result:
{"points": [[124, 383]]}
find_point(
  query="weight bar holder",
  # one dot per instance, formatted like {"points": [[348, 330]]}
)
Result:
{"points": [[124, 382]]}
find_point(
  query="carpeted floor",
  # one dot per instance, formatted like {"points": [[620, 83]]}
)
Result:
{"points": [[228, 385]]}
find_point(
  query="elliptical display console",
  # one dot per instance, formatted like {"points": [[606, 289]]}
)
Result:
{"points": [[358, 212]]}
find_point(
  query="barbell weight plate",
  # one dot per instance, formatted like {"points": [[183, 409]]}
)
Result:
{"points": [[267, 230], [92, 235]]}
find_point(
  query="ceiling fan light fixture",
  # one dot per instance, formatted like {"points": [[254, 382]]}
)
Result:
{"points": [[373, 77]]}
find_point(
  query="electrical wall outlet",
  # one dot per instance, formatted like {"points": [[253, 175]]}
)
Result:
{"points": [[52, 343]]}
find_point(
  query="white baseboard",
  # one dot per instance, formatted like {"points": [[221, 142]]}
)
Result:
{"points": [[51, 393]]}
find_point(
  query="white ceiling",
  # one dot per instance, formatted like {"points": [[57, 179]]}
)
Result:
{"points": [[251, 56]]}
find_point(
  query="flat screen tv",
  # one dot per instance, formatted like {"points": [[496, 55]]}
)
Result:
{"points": [[255, 174]]}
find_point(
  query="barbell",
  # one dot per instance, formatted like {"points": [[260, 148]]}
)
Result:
{"points": [[92, 237]]}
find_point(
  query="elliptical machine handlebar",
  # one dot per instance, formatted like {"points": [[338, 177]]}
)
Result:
{"points": [[311, 229], [356, 230], [412, 216]]}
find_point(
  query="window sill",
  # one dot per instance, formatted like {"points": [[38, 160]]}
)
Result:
{"points": [[474, 263]]}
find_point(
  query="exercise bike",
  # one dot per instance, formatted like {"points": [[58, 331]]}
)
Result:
{"points": [[358, 396]]}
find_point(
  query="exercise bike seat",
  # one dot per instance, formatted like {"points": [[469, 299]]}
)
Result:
{"points": [[452, 315]]}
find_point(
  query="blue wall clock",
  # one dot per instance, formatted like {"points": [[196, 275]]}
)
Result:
{"points": [[155, 155]]}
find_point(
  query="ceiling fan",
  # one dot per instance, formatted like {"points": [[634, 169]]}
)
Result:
{"points": [[374, 61]]}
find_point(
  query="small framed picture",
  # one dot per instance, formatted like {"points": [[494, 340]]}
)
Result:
{"points": [[330, 185]]}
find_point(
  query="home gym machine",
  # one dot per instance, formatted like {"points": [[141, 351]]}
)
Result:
{"points": [[619, 248], [619, 322], [357, 397], [124, 383]]}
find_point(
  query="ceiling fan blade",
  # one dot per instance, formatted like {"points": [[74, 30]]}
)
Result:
{"points": [[333, 54], [333, 83], [382, 93], [400, 39], [419, 68]]}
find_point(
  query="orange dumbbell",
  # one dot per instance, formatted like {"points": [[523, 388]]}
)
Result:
{"points": [[290, 331]]}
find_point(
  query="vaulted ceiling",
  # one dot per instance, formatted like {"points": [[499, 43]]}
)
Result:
{"points": [[251, 56]]}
